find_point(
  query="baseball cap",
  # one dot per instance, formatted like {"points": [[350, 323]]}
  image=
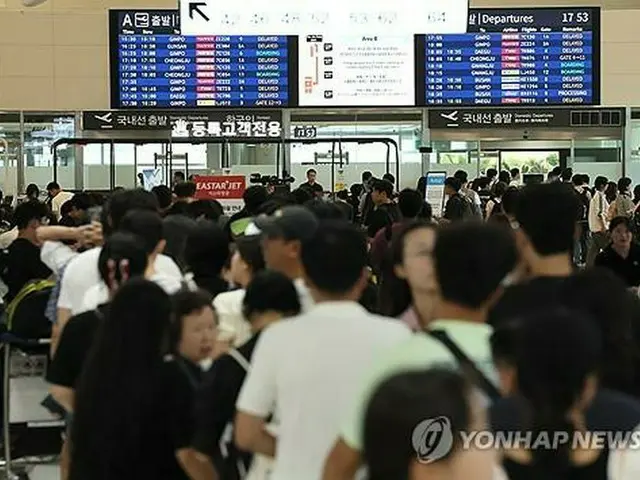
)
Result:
{"points": [[290, 223]]}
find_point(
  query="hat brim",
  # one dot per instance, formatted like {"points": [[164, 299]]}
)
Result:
{"points": [[268, 226]]}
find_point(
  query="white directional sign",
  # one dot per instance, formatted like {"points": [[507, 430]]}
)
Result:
{"points": [[295, 17]]}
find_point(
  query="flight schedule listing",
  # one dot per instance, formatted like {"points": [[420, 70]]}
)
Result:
{"points": [[526, 56], [157, 68]]}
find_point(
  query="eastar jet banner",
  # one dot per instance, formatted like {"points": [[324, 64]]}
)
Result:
{"points": [[293, 17]]}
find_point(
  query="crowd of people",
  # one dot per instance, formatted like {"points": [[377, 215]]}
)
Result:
{"points": [[306, 339]]}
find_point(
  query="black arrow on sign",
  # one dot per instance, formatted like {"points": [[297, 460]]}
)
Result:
{"points": [[195, 7]]}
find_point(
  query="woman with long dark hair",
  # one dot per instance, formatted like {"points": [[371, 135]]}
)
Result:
{"points": [[408, 287], [398, 443], [549, 367], [131, 420]]}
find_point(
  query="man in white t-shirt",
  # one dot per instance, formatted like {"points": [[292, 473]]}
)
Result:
{"points": [[471, 262], [58, 197], [81, 274], [283, 235], [305, 370]]}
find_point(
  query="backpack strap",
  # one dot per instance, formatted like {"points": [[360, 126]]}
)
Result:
{"points": [[466, 364], [239, 358]]}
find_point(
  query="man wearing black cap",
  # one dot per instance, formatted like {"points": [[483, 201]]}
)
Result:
{"points": [[283, 235]]}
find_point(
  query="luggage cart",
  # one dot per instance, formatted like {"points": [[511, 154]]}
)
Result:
{"points": [[23, 441]]}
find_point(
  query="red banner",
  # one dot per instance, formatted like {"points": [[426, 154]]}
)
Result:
{"points": [[220, 187]]}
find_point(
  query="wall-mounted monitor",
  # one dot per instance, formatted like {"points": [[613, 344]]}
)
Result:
{"points": [[153, 66], [524, 56]]}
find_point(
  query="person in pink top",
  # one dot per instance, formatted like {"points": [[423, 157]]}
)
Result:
{"points": [[409, 288]]}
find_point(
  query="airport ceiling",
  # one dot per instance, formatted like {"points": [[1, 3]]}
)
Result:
{"points": [[605, 4]]}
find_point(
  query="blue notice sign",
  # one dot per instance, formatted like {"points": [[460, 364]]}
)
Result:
{"points": [[434, 194]]}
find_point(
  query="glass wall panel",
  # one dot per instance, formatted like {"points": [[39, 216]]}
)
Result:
{"points": [[353, 159], [40, 131], [9, 151]]}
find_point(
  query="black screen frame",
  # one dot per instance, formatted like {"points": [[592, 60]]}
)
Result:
{"points": [[421, 94]]}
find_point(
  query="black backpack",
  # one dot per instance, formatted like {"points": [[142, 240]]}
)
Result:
{"points": [[26, 314], [584, 205]]}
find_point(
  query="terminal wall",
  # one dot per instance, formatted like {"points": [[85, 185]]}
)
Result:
{"points": [[55, 56]]}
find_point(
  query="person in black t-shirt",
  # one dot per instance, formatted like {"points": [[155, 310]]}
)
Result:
{"points": [[23, 259], [385, 211], [269, 297], [311, 185], [622, 256], [457, 207], [132, 414], [122, 257], [544, 226]]}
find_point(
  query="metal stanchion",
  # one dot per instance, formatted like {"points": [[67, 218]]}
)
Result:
{"points": [[6, 416]]}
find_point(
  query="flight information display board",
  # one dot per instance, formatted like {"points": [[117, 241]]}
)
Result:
{"points": [[532, 56], [153, 66]]}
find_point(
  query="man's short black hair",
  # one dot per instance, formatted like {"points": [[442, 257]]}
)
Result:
{"points": [[483, 182], [578, 180], [28, 211], [270, 291], [123, 201], [504, 176], [515, 172], [624, 184], [389, 178], [205, 209], [510, 200], [185, 189], [302, 195], [383, 186], [53, 186], [254, 197], [471, 261], [146, 225], [492, 173], [547, 213], [81, 201], [366, 176], [500, 189], [325, 210], [601, 182], [567, 174], [617, 221], [462, 176], [179, 175], [335, 258], [454, 183], [312, 170], [164, 196], [410, 203]]}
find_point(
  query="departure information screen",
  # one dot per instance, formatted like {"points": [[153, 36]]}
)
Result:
{"points": [[543, 56], [153, 66]]}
